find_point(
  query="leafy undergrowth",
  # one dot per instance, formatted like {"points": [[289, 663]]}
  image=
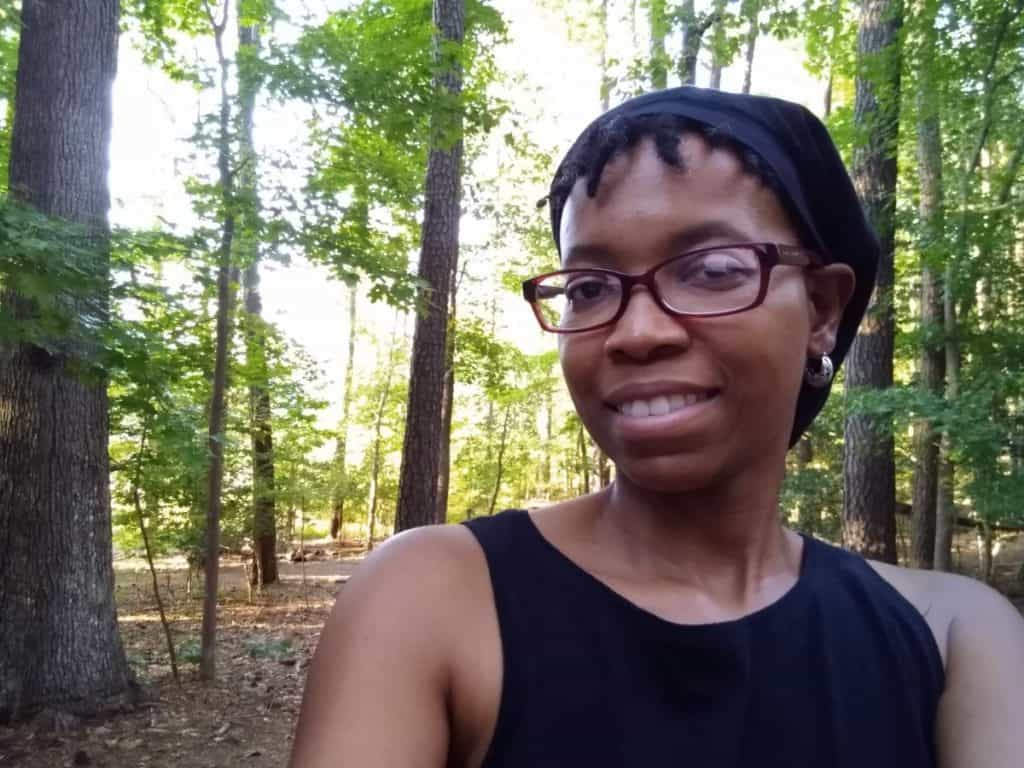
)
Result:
{"points": [[246, 718]]}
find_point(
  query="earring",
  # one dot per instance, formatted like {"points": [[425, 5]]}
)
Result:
{"points": [[819, 373]]}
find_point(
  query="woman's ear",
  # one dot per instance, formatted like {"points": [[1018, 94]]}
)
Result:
{"points": [[829, 289]]}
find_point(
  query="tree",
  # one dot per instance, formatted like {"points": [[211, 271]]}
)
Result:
{"points": [[417, 495], [657, 15], [341, 469], [869, 471], [694, 26], [59, 642], [929, 143], [751, 13], [383, 395], [226, 280], [264, 519]]}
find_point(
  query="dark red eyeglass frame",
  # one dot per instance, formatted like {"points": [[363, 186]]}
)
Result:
{"points": [[769, 254]]}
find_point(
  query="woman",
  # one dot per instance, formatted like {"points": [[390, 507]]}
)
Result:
{"points": [[715, 266]]}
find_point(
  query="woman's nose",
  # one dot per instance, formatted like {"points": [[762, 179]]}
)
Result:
{"points": [[645, 330]]}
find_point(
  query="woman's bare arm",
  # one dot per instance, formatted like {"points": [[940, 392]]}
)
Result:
{"points": [[979, 722], [376, 695]]}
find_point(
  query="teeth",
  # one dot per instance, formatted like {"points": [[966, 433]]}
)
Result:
{"points": [[660, 405]]}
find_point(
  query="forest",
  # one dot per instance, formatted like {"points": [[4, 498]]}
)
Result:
{"points": [[260, 309]]}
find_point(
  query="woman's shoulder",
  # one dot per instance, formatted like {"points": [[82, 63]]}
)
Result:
{"points": [[947, 600]]}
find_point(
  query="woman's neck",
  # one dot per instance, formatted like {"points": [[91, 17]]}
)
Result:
{"points": [[727, 541]]}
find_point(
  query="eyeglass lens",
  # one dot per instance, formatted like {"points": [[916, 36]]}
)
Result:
{"points": [[708, 282]]}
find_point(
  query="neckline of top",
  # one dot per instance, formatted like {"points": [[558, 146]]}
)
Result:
{"points": [[777, 605]]}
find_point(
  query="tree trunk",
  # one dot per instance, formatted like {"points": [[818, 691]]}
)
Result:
{"points": [[658, 22], [341, 489], [869, 524], [694, 27], [584, 459], [549, 426], [225, 308], [752, 33], [264, 515], [985, 545], [604, 468], [59, 642], [501, 460], [929, 152], [606, 82], [377, 429], [718, 44], [417, 489], [808, 516], [445, 469]]}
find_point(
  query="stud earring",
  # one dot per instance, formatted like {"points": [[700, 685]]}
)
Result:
{"points": [[818, 373]]}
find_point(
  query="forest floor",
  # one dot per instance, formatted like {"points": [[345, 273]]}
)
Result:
{"points": [[265, 644], [248, 716]]}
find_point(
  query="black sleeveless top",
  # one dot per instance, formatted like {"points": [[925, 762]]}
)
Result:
{"points": [[840, 672]]}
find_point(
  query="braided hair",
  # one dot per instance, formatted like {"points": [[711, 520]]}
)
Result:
{"points": [[606, 139]]}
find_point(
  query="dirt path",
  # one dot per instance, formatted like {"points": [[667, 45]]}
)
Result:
{"points": [[247, 717]]}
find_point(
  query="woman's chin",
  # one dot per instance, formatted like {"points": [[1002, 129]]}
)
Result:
{"points": [[668, 474]]}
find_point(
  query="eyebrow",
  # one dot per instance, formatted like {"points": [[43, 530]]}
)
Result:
{"points": [[680, 242]]}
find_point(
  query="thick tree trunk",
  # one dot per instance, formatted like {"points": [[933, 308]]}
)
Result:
{"points": [[264, 515], [417, 489], [929, 152], [658, 25], [869, 525], [225, 309], [59, 643], [341, 489]]}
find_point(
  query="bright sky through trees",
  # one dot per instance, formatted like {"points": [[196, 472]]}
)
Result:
{"points": [[153, 118]]}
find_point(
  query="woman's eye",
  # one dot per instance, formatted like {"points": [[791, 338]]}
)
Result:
{"points": [[715, 269], [586, 290]]}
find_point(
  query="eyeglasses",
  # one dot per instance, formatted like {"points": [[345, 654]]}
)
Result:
{"points": [[710, 282]]}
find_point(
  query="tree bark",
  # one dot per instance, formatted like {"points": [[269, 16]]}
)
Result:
{"points": [[658, 27], [869, 525], [417, 489], [753, 31], [606, 82], [378, 427], [59, 642], [264, 514], [694, 27], [341, 489], [718, 42], [501, 460], [929, 151], [583, 457], [444, 469], [218, 396], [808, 516]]}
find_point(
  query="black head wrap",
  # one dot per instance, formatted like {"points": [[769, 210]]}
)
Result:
{"points": [[814, 188]]}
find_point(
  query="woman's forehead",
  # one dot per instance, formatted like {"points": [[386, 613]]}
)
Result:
{"points": [[641, 197]]}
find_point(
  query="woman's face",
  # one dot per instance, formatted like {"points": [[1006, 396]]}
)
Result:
{"points": [[731, 382]]}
